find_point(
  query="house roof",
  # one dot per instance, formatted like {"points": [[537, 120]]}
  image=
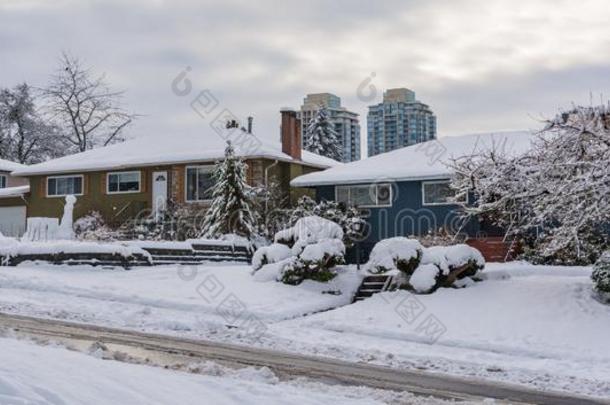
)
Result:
{"points": [[156, 150], [8, 166], [424, 161]]}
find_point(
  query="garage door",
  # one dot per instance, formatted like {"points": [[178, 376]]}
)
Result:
{"points": [[12, 221]]}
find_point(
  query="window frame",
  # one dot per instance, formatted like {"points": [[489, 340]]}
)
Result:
{"points": [[81, 176], [423, 194], [186, 185], [123, 192], [3, 181], [376, 205]]}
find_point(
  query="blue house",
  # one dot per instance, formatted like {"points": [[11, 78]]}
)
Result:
{"points": [[406, 192]]}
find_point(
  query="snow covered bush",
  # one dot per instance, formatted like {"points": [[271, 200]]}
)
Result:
{"points": [[270, 254], [555, 195], [348, 218], [310, 250], [601, 276], [93, 227], [308, 230], [398, 253], [452, 263]]}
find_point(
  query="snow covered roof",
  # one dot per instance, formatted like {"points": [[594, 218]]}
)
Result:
{"points": [[8, 166], [11, 192], [156, 150], [423, 161]]}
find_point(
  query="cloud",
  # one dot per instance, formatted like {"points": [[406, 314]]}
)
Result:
{"points": [[479, 64]]}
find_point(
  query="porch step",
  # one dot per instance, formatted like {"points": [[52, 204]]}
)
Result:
{"points": [[372, 285]]}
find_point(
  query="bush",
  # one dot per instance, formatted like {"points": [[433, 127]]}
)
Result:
{"points": [[348, 218], [270, 254], [601, 274], [317, 248], [397, 253], [308, 230], [452, 263], [92, 227]]}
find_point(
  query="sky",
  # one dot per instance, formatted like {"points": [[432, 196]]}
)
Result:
{"points": [[481, 65]]}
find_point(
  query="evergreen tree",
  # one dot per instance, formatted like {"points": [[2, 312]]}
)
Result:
{"points": [[232, 200], [321, 137]]}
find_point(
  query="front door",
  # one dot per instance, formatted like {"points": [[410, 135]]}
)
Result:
{"points": [[159, 193]]}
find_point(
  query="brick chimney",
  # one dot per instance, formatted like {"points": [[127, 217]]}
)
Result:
{"points": [[291, 133]]}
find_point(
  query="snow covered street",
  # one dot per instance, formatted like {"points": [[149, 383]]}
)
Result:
{"points": [[35, 374], [532, 325]]}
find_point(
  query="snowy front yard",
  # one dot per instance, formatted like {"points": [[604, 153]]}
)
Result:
{"points": [[533, 325]]}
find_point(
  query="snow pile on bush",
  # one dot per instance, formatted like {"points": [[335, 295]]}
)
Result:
{"points": [[307, 251], [397, 253], [270, 254], [424, 270], [308, 230], [601, 277], [93, 227]]}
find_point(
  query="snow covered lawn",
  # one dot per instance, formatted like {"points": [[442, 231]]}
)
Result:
{"points": [[168, 298], [31, 374], [538, 319]]}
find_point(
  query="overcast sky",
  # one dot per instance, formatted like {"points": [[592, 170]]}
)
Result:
{"points": [[480, 65]]}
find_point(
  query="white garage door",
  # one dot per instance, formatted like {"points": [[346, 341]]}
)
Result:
{"points": [[12, 221]]}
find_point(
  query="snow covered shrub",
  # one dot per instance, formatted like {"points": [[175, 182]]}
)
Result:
{"points": [[426, 278], [310, 250], [395, 253], [93, 227], [452, 263], [308, 230], [270, 254], [601, 274], [348, 218]]}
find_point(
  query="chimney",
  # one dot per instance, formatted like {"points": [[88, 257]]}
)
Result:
{"points": [[250, 119], [291, 133]]}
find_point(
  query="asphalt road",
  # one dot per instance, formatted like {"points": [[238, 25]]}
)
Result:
{"points": [[288, 364]]}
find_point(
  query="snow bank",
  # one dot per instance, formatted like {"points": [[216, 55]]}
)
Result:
{"points": [[397, 253], [32, 374]]}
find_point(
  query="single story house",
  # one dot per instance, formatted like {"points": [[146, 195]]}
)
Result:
{"points": [[13, 192], [406, 191], [141, 175]]}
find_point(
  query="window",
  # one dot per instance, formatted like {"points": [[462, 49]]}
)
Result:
{"points": [[123, 182], [60, 186], [2, 181], [199, 182], [437, 193], [372, 195]]}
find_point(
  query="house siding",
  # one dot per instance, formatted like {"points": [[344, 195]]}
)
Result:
{"points": [[116, 209], [407, 216]]}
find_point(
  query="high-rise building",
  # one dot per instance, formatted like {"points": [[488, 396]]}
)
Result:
{"points": [[400, 120], [345, 122]]}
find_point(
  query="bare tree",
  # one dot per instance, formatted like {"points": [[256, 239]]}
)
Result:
{"points": [[24, 136], [85, 107]]}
